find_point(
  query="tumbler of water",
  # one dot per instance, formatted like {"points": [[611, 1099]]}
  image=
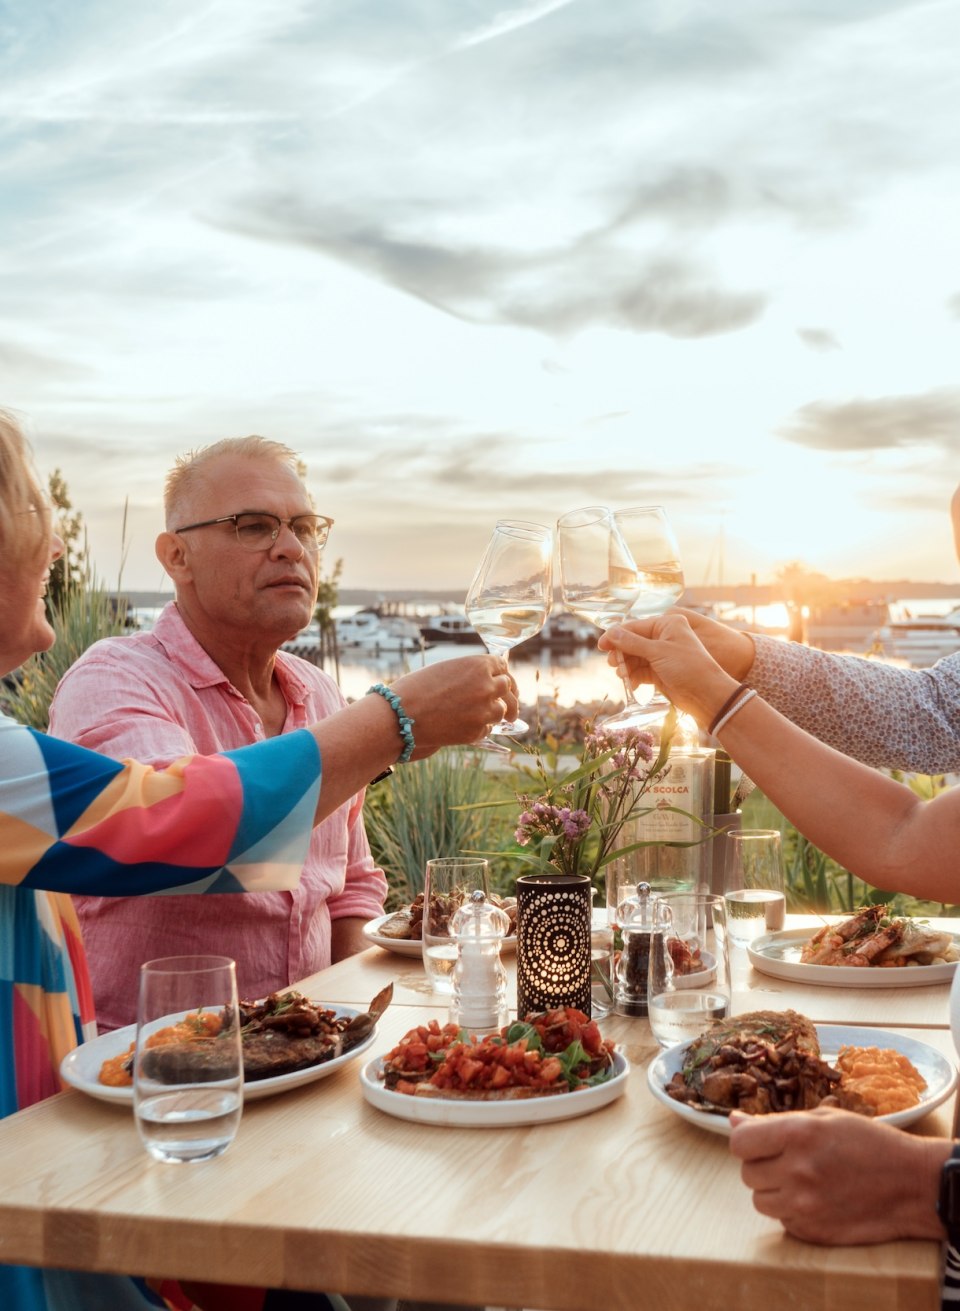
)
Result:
{"points": [[687, 989], [753, 884], [448, 882], [188, 1063]]}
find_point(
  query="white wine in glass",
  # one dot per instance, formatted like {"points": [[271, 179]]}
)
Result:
{"points": [[599, 581], [511, 594], [651, 542]]}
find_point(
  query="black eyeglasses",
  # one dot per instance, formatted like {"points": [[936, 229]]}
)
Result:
{"points": [[257, 531]]}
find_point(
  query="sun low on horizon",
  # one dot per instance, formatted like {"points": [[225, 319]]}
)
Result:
{"points": [[476, 262]]}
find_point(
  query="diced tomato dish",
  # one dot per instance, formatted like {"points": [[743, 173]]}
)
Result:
{"points": [[441, 1056]]}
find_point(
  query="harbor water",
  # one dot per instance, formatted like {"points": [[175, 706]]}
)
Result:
{"points": [[571, 676], [576, 676], [580, 676]]}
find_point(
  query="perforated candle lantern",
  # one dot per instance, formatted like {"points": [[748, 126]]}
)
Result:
{"points": [[553, 942]]}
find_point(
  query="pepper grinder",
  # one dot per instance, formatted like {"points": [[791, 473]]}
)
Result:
{"points": [[479, 1001], [641, 917]]}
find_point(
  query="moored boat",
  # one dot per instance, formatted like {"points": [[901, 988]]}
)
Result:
{"points": [[450, 628], [371, 631], [306, 644], [849, 626], [921, 640]]}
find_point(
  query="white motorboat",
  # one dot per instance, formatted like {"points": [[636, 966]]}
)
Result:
{"points": [[846, 626], [306, 644], [921, 640], [450, 628], [370, 631]]}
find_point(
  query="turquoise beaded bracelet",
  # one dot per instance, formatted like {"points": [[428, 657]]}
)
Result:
{"points": [[405, 722]]}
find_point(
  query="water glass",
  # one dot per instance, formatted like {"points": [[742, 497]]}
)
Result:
{"points": [[754, 883], [188, 1087], [691, 917], [680, 1005], [601, 965], [448, 882]]}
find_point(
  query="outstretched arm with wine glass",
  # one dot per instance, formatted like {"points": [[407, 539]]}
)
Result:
{"points": [[510, 596]]}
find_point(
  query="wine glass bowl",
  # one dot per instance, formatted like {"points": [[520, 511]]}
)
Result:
{"points": [[597, 575], [650, 539], [511, 594], [600, 582]]}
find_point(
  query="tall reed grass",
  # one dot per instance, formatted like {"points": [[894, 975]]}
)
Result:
{"points": [[815, 883], [415, 816], [82, 617]]}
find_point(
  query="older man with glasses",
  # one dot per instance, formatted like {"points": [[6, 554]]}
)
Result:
{"points": [[242, 546]]}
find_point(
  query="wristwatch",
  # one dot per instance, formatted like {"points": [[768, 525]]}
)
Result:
{"points": [[948, 1204]]}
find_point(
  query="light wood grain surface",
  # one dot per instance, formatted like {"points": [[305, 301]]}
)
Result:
{"points": [[624, 1208]]}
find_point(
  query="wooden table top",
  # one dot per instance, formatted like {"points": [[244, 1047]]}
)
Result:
{"points": [[321, 1190]]}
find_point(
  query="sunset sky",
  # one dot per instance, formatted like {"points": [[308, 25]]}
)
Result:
{"points": [[479, 260]]}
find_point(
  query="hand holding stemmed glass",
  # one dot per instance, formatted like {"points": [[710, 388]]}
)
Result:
{"points": [[511, 595]]}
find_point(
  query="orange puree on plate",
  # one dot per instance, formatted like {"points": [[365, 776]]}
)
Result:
{"points": [[199, 1024]]}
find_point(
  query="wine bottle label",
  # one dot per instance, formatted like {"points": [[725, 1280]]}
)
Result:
{"points": [[677, 805], [663, 824]]}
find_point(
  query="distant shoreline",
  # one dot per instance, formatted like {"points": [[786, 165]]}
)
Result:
{"points": [[742, 594]]}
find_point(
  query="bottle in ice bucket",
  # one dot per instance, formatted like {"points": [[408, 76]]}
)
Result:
{"points": [[645, 922], [479, 1001]]}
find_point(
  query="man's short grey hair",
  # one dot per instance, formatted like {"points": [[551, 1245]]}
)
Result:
{"points": [[189, 471]]}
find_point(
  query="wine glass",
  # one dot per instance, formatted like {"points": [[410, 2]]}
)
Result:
{"points": [[599, 582], [511, 594], [651, 542]]}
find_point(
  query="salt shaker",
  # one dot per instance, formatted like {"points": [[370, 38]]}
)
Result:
{"points": [[644, 920], [479, 1001]]}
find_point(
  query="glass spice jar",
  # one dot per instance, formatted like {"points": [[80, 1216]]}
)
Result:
{"points": [[643, 918]]}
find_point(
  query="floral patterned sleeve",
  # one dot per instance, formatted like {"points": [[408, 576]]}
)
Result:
{"points": [[881, 714]]}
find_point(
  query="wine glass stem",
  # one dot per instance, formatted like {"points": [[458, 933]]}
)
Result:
{"points": [[628, 694]]}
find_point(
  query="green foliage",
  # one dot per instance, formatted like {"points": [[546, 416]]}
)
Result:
{"points": [[417, 815], [574, 800], [68, 574], [328, 595], [606, 787], [83, 615], [815, 883]]}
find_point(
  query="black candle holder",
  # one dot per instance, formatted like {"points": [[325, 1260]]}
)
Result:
{"points": [[553, 942]]}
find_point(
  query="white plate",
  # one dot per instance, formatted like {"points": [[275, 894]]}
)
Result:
{"points": [[81, 1067], [699, 978], [409, 946], [493, 1115], [778, 954], [940, 1074]]}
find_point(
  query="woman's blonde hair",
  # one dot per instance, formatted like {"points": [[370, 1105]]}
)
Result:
{"points": [[25, 526], [188, 475]]}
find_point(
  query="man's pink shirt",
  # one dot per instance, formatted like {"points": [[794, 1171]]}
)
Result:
{"points": [[156, 696]]}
